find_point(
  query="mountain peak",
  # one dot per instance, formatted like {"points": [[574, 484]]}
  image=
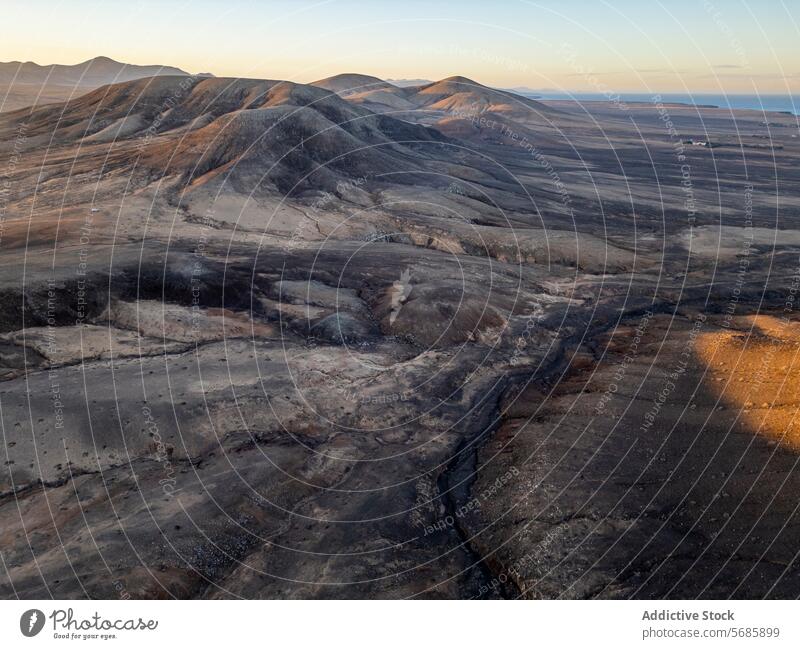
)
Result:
{"points": [[351, 82], [103, 59], [461, 80]]}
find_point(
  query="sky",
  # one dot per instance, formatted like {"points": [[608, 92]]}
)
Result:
{"points": [[612, 46]]}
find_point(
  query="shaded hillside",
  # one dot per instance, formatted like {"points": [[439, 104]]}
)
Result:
{"points": [[255, 134]]}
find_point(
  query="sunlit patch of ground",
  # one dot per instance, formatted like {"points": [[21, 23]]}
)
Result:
{"points": [[755, 367]]}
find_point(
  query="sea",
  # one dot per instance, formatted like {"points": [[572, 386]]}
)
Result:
{"points": [[771, 103]]}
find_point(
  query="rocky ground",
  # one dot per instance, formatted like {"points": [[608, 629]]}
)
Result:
{"points": [[259, 339]]}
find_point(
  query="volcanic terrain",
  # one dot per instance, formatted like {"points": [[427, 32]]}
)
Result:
{"points": [[263, 339]]}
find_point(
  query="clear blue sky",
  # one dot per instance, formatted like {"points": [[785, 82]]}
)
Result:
{"points": [[578, 45]]}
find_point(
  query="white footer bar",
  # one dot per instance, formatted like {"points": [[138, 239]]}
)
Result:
{"points": [[400, 624]]}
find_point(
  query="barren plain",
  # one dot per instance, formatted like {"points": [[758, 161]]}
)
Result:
{"points": [[342, 340]]}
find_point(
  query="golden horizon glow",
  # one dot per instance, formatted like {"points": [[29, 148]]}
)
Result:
{"points": [[619, 47]]}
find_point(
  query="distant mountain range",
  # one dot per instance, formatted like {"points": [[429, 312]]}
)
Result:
{"points": [[518, 90], [28, 83], [349, 126]]}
